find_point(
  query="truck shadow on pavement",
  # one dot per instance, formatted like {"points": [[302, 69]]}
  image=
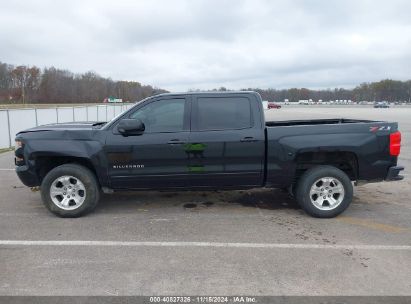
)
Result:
{"points": [[196, 200], [268, 199]]}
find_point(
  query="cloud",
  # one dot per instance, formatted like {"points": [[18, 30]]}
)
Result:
{"points": [[180, 45]]}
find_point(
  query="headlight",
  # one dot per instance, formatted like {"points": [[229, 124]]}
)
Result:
{"points": [[18, 152], [18, 144]]}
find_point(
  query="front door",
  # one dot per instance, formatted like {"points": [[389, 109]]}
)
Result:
{"points": [[156, 158]]}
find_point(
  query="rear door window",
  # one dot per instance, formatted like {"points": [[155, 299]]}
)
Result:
{"points": [[223, 113]]}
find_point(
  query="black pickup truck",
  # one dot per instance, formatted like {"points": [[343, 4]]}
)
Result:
{"points": [[199, 141]]}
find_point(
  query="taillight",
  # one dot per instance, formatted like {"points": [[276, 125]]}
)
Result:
{"points": [[395, 143]]}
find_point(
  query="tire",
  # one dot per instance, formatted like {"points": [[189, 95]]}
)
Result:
{"points": [[70, 190], [324, 191]]}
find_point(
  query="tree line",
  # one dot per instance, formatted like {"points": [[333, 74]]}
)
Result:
{"points": [[389, 90], [30, 84]]}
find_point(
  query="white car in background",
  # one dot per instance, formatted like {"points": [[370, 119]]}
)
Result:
{"points": [[382, 104]]}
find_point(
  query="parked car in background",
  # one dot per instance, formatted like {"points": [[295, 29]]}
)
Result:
{"points": [[273, 105], [112, 100], [381, 104]]}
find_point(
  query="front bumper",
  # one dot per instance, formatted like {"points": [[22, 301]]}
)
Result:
{"points": [[27, 177], [394, 173]]}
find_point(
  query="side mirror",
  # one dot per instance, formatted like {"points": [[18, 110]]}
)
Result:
{"points": [[131, 127]]}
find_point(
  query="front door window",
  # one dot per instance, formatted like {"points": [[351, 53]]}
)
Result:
{"points": [[165, 115]]}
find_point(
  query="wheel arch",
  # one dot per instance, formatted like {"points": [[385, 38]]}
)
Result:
{"points": [[47, 163], [346, 161]]}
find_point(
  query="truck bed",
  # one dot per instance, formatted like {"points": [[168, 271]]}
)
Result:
{"points": [[367, 140], [327, 121]]}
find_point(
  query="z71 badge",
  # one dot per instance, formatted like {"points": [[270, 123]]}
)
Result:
{"points": [[382, 128]]}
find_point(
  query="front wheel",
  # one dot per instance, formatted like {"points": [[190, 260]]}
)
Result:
{"points": [[324, 191], [70, 190]]}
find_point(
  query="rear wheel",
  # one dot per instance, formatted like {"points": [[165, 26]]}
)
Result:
{"points": [[70, 190], [324, 191]]}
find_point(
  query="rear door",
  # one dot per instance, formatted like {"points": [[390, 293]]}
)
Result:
{"points": [[226, 145]]}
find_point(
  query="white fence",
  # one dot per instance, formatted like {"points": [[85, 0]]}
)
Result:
{"points": [[13, 121]]}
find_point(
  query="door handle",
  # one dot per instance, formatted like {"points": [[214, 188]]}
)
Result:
{"points": [[248, 139], [176, 142]]}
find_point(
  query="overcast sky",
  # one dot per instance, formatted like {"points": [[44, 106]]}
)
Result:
{"points": [[181, 45]]}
